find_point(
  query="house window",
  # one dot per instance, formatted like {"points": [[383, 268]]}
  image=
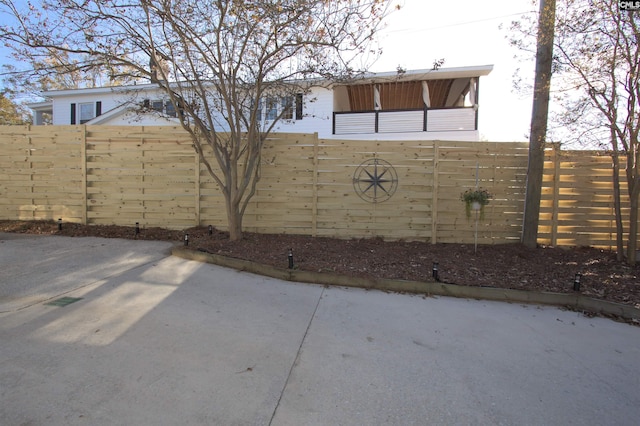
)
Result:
{"points": [[272, 109], [171, 111], [81, 113], [157, 106], [86, 112], [161, 106], [287, 107]]}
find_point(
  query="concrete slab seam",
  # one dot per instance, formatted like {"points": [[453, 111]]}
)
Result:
{"points": [[297, 358]]}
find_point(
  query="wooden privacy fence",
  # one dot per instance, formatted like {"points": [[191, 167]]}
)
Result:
{"points": [[151, 175]]}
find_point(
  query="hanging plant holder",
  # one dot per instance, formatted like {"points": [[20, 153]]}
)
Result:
{"points": [[475, 200]]}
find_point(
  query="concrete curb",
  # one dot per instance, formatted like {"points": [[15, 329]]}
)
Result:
{"points": [[575, 301]]}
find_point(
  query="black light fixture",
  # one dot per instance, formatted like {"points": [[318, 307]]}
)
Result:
{"points": [[576, 282], [210, 230], [137, 228], [290, 258], [186, 239], [434, 271], [60, 224]]}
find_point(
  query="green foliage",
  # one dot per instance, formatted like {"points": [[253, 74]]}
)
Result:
{"points": [[479, 195], [11, 113]]}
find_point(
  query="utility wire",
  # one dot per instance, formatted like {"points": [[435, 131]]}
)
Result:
{"points": [[458, 24]]}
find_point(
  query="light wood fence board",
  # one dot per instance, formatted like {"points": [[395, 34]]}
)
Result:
{"points": [[124, 174]]}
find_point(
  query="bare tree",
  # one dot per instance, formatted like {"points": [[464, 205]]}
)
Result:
{"points": [[220, 62], [25, 82], [597, 87], [599, 54]]}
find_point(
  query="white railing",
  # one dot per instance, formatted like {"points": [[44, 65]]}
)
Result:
{"points": [[451, 119], [361, 122], [401, 121], [437, 120]]}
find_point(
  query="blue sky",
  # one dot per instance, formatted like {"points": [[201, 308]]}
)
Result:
{"points": [[464, 33]]}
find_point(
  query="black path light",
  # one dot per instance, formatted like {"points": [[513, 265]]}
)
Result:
{"points": [[186, 239], [60, 224], [290, 258], [210, 230], [576, 281], [434, 271], [137, 228]]}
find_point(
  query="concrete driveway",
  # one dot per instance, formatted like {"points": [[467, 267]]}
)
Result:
{"points": [[158, 340]]}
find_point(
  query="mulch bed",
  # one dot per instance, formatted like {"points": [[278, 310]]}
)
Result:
{"points": [[505, 266]]}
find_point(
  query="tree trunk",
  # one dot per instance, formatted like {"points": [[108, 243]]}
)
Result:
{"points": [[234, 220], [616, 207], [539, 114], [617, 203], [632, 243]]}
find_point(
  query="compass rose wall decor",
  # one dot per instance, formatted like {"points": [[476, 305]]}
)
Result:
{"points": [[375, 180]]}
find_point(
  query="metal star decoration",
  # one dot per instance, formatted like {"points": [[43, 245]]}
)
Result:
{"points": [[375, 180]]}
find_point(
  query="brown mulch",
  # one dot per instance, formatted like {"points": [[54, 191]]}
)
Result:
{"points": [[505, 266]]}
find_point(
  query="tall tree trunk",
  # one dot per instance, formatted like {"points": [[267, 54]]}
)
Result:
{"points": [[616, 203], [633, 185], [539, 114], [632, 244]]}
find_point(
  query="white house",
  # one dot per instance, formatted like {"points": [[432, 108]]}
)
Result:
{"points": [[437, 104]]}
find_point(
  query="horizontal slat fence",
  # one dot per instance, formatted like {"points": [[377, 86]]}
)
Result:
{"points": [[577, 199], [146, 175], [152, 175], [496, 166], [42, 173]]}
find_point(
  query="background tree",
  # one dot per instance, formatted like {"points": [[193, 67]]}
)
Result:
{"points": [[25, 80], [221, 63], [597, 88], [11, 113]]}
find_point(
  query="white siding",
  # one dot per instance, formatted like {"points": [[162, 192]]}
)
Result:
{"points": [[132, 119], [449, 124], [317, 115], [110, 100]]}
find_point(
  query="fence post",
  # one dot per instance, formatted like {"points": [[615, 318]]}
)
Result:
{"points": [[434, 203], [555, 198], [83, 171], [314, 195], [197, 188]]}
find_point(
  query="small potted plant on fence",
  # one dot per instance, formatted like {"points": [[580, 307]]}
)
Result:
{"points": [[475, 199]]}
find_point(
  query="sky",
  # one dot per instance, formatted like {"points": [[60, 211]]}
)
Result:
{"points": [[463, 33], [466, 33]]}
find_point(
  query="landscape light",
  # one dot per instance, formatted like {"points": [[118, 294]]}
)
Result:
{"points": [[290, 258], [186, 239], [434, 271], [576, 282], [137, 228], [210, 230], [60, 224]]}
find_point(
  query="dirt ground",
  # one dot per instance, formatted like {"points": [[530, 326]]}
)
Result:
{"points": [[504, 266]]}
